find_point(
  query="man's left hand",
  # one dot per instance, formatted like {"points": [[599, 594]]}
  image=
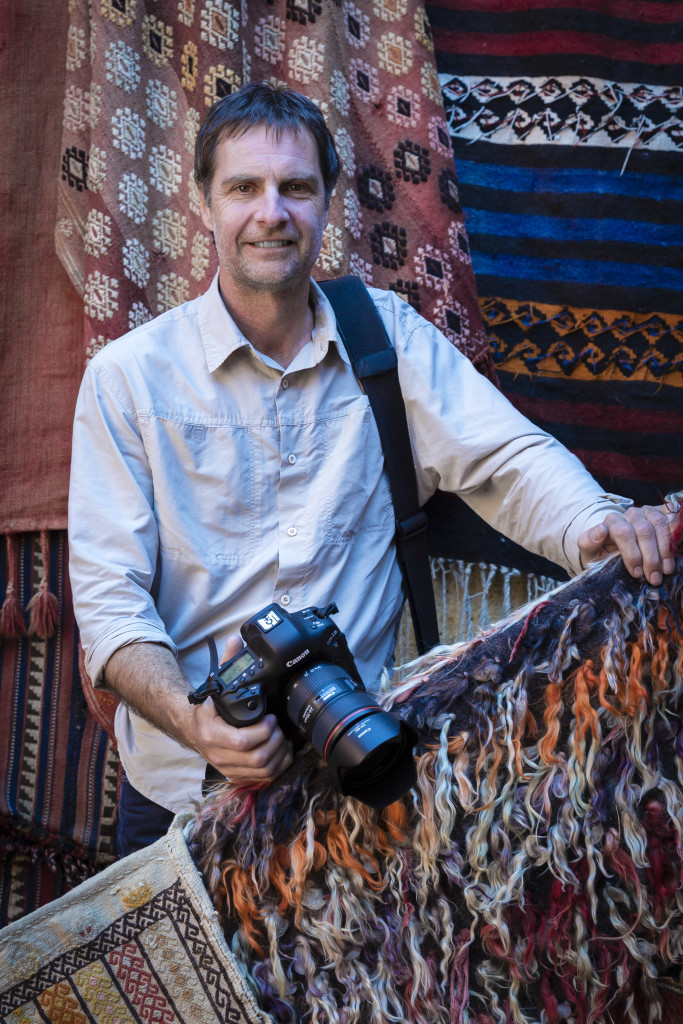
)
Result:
{"points": [[642, 536]]}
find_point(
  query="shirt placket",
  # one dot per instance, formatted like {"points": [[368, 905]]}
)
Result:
{"points": [[292, 499]]}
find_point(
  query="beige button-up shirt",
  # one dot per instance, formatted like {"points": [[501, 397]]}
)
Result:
{"points": [[208, 482]]}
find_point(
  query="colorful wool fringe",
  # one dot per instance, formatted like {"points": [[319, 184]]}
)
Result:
{"points": [[534, 874]]}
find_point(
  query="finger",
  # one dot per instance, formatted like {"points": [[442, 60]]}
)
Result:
{"points": [[252, 752], [641, 537], [262, 764], [233, 645], [210, 735], [662, 521], [245, 738]]}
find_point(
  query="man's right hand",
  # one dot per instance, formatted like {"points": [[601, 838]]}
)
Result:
{"points": [[148, 678], [246, 756]]}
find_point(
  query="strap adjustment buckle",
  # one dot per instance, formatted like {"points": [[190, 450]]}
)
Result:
{"points": [[413, 526]]}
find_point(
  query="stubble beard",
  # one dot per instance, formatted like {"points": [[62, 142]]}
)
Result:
{"points": [[269, 281]]}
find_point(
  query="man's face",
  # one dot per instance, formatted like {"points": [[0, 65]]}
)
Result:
{"points": [[267, 211]]}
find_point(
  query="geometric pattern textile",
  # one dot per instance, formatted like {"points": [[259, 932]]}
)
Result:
{"points": [[58, 768], [137, 943], [141, 76], [567, 128]]}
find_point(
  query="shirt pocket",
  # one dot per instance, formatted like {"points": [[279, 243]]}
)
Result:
{"points": [[356, 495], [205, 491]]}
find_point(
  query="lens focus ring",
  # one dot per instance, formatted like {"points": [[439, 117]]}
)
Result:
{"points": [[315, 686]]}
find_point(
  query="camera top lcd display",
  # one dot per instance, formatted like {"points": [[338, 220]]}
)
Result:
{"points": [[236, 667]]}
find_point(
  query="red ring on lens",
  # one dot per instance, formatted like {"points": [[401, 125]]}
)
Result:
{"points": [[357, 711]]}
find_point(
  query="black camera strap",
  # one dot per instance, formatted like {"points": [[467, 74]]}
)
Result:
{"points": [[375, 364]]}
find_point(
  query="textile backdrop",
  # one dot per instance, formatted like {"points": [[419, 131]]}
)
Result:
{"points": [[566, 123], [141, 76], [539, 213], [41, 315]]}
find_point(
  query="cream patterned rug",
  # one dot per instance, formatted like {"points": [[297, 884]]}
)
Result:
{"points": [[139, 942]]}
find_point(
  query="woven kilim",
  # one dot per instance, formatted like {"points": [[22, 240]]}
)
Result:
{"points": [[141, 75], [138, 943], [533, 874], [566, 123], [58, 769]]}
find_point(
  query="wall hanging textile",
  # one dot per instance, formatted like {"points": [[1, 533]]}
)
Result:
{"points": [[41, 315], [567, 130], [58, 769], [140, 78]]}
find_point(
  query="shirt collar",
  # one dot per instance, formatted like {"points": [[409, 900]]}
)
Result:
{"points": [[221, 336]]}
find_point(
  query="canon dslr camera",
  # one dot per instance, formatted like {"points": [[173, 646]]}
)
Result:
{"points": [[298, 666]]}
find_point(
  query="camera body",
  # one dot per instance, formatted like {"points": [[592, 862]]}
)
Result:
{"points": [[298, 666], [280, 645]]}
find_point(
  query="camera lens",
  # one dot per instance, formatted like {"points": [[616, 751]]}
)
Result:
{"points": [[369, 751]]}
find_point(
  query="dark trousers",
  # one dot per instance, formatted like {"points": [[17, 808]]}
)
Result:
{"points": [[141, 821]]}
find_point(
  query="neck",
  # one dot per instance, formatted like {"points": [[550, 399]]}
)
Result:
{"points": [[277, 325]]}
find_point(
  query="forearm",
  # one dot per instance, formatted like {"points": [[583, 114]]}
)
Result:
{"points": [[146, 676]]}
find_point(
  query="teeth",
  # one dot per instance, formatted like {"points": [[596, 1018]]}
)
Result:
{"points": [[272, 245]]}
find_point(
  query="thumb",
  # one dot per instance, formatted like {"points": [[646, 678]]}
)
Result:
{"points": [[598, 534], [233, 645], [592, 541]]}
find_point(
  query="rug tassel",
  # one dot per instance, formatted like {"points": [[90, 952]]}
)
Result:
{"points": [[43, 608], [12, 624]]}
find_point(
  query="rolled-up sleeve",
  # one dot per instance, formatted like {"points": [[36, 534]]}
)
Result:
{"points": [[113, 537], [469, 440]]}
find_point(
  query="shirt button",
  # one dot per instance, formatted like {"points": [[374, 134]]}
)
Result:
{"points": [[285, 599], [292, 531], [291, 459], [285, 382]]}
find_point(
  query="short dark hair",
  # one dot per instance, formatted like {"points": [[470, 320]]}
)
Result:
{"points": [[277, 108]]}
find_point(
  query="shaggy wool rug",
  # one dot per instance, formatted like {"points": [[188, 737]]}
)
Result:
{"points": [[533, 874]]}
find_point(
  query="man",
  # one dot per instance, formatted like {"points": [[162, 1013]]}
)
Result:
{"points": [[224, 457]]}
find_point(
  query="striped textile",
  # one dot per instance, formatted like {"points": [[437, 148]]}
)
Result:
{"points": [[566, 123], [58, 771]]}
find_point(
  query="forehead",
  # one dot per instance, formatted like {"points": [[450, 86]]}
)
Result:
{"points": [[261, 149]]}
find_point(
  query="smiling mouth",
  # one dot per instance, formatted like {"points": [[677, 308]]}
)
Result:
{"points": [[276, 244]]}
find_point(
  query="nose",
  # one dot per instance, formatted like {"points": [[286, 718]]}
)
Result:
{"points": [[272, 209]]}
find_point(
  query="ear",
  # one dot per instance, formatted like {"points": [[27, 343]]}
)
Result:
{"points": [[205, 211]]}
